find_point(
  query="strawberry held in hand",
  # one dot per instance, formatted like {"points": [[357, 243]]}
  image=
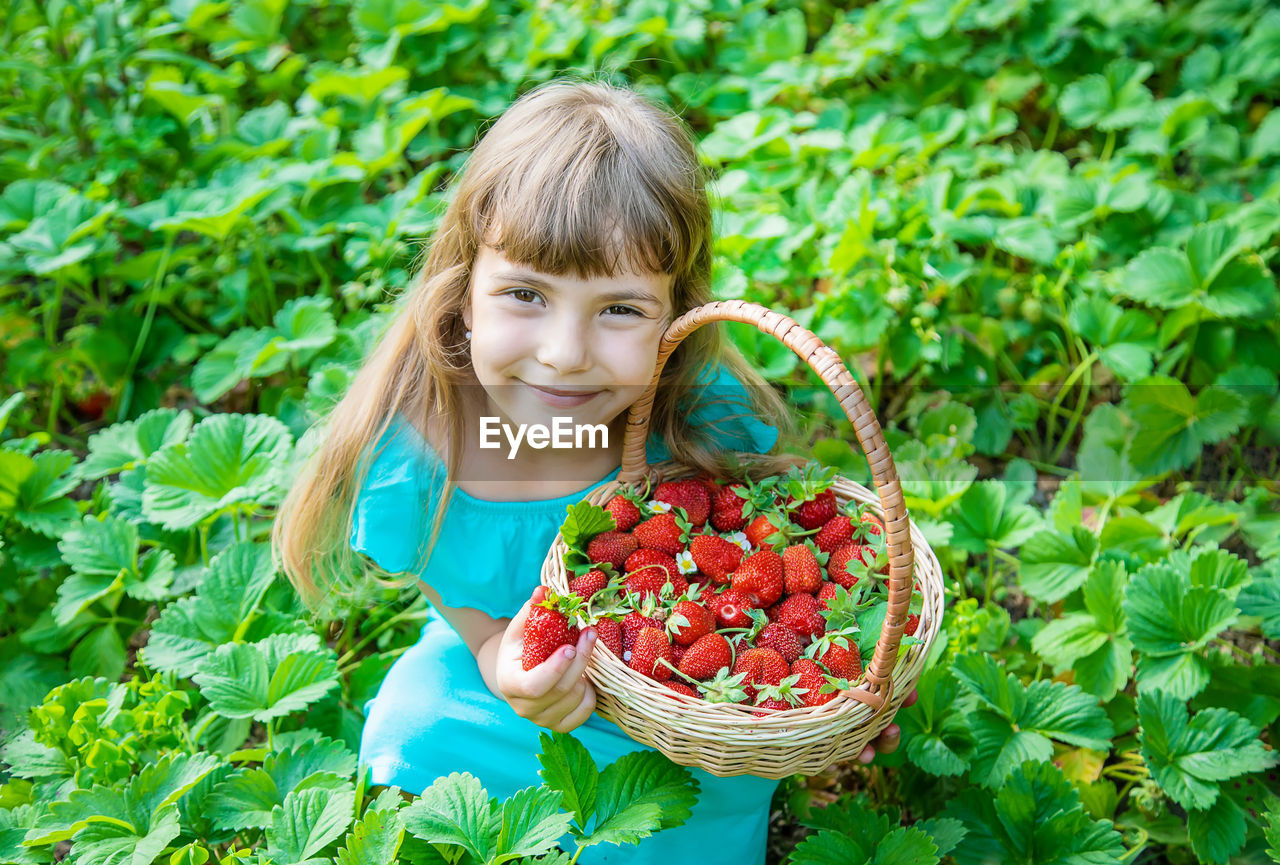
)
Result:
{"points": [[548, 626]]}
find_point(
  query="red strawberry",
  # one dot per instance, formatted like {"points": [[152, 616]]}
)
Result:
{"points": [[709, 484], [816, 511], [633, 623], [826, 593], [913, 622], [726, 509], [764, 529], [588, 584], [663, 533], [731, 607], [835, 532], [812, 680], [843, 663], [680, 688], [701, 622], [801, 614], [771, 611], [651, 647], [677, 652], [704, 658], [803, 573], [875, 525], [760, 575], [658, 562], [772, 703], [609, 632], [781, 639], [612, 547], [715, 557], [763, 667], [686, 493], [625, 512], [546, 629], [841, 556]]}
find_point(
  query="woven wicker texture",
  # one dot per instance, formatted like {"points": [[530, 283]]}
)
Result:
{"points": [[728, 739]]}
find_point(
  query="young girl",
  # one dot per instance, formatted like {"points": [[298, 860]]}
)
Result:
{"points": [[579, 229]]}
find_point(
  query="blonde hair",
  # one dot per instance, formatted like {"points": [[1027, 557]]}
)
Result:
{"points": [[570, 167]]}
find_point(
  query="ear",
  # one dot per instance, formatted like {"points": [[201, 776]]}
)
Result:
{"points": [[466, 315]]}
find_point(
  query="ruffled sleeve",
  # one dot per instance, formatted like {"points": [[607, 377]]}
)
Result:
{"points": [[724, 411]]}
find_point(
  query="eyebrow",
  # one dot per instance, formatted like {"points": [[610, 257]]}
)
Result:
{"points": [[537, 281]]}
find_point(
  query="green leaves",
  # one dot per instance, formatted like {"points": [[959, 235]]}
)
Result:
{"points": [[1114, 100], [279, 675], [984, 518], [1093, 641], [1055, 563], [456, 811], [935, 734], [1014, 723], [1207, 274], [1170, 621], [1173, 426], [1035, 817], [230, 462], [1190, 756], [850, 832]]}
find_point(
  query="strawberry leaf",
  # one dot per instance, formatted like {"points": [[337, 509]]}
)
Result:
{"points": [[1036, 816], [641, 793], [584, 522], [454, 810], [307, 821], [567, 766], [1189, 757], [1092, 641], [123, 446], [376, 837], [934, 731], [267, 679], [1014, 722], [1055, 563]]}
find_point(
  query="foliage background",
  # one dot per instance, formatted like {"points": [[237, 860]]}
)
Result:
{"points": [[1041, 232]]}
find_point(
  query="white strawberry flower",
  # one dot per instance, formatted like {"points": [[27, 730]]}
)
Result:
{"points": [[740, 539], [684, 562], [659, 507]]}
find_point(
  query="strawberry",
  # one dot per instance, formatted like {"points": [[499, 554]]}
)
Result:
{"points": [[609, 632], [766, 530], [726, 509], [626, 513], [651, 579], [835, 532], [843, 663], [709, 484], [666, 533], [802, 571], [826, 593], [811, 679], [715, 557], [658, 562], [815, 512], [680, 688], [760, 575], [588, 584], [782, 640], [801, 613], [785, 695], [612, 547], [686, 493], [690, 621], [705, 657], [838, 570], [875, 526], [731, 607], [771, 611], [546, 628], [763, 667], [650, 650], [632, 624], [913, 622]]}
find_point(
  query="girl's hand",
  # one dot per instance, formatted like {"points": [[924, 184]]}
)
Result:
{"points": [[890, 736], [555, 694]]}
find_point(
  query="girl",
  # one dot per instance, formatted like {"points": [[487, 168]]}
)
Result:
{"points": [[578, 230]]}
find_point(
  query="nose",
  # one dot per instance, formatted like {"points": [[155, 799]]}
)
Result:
{"points": [[563, 345]]}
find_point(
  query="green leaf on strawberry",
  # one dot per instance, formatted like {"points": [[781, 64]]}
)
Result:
{"points": [[584, 522]]}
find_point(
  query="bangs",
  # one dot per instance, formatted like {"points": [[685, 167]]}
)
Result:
{"points": [[589, 202]]}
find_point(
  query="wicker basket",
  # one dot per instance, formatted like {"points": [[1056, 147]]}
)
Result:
{"points": [[728, 739]]}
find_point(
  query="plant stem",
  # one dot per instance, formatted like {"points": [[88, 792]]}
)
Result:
{"points": [[1051, 134], [991, 575], [411, 614], [1109, 146], [141, 341], [1074, 421]]}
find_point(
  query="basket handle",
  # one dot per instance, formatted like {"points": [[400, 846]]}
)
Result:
{"points": [[827, 364]]}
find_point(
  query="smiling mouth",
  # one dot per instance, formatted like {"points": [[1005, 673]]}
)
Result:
{"points": [[565, 393]]}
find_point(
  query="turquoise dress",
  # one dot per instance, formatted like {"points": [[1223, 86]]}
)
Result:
{"points": [[433, 713]]}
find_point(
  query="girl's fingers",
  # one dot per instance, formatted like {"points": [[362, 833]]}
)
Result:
{"points": [[578, 667], [580, 712], [911, 698], [888, 740]]}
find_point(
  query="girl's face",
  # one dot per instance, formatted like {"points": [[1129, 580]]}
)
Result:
{"points": [[554, 346]]}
